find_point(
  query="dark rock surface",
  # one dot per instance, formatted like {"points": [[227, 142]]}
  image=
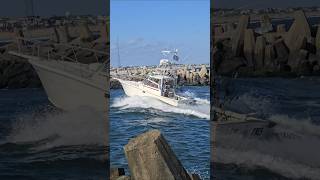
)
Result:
{"points": [[17, 73], [271, 52]]}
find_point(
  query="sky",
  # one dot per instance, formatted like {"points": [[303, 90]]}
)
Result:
{"points": [[264, 3], [140, 29], [14, 8]]}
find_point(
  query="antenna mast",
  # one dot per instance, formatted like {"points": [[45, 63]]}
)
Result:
{"points": [[119, 62]]}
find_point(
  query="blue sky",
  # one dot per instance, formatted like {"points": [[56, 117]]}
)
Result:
{"points": [[144, 28]]}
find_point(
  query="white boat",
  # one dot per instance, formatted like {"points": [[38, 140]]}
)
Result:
{"points": [[70, 84], [160, 85], [230, 123], [247, 125]]}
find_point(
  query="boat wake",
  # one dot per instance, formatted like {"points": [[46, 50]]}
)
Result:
{"points": [[292, 158], [56, 129], [200, 110], [280, 165]]}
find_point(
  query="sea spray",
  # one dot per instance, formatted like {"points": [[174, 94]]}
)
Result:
{"points": [[189, 135], [199, 110], [293, 158], [302, 125], [80, 127], [254, 159]]}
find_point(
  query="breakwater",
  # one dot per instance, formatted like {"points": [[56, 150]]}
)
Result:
{"points": [[16, 72], [187, 75], [267, 50]]}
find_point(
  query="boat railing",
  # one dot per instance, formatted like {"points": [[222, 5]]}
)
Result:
{"points": [[51, 51]]}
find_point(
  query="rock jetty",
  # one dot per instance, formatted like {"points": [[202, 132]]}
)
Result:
{"points": [[16, 72], [149, 156], [187, 75], [268, 50]]}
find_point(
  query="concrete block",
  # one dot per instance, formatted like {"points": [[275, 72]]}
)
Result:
{"points": [[150, 157]]}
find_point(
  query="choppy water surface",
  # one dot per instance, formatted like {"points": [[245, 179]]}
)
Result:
{"points": [[186, 128], [38, 141], [294, 104]]}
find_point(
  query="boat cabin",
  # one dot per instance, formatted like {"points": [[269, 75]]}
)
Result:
{"points": [[165, 84]]}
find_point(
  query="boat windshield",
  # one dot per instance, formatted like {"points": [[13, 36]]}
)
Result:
{"points": [[168, 87], [151, 82]]}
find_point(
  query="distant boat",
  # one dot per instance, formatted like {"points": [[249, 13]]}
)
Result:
{"points": [[71, 84]]}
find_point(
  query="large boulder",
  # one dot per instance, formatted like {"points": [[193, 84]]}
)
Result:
{"points": [[269, 60], [294, 56], [271, 37], [299, 29], [231, 65], [115, 173], [16, 73], [298, 59], [249, 47], [265, 24], [281, 51], [238, 36], [19, 35], [55, 35], [149, 156], [281, 29], [259, 52], [64, 34], [85, 33], [203, 72]]}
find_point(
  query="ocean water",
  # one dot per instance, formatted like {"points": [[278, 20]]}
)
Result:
{"points": [[38, 141], [294, 105], [186, 128]]}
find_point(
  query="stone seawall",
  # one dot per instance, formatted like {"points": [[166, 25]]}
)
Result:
{"points": [[16, 72], [267, 50], [187, 75]]}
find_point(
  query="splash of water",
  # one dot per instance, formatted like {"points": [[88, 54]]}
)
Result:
{"points": [[53, 129], [304, 126], [201, 110], [252, 159], [293, 158]]}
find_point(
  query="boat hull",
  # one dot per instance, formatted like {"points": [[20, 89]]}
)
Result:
{"points": [[68, 91], [132, 88], [246, 126]]}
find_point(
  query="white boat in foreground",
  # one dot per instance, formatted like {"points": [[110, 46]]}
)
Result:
{"points": [[161, 85], [70, 85]]}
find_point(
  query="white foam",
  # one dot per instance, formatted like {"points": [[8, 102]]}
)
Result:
{"points": [[251, 159], [199, 110], [293, 158], [81, 127], [304, 126]]}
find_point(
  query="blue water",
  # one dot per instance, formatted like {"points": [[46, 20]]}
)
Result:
{"points": [[38, 141], [292, 103], [187, 128]]}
